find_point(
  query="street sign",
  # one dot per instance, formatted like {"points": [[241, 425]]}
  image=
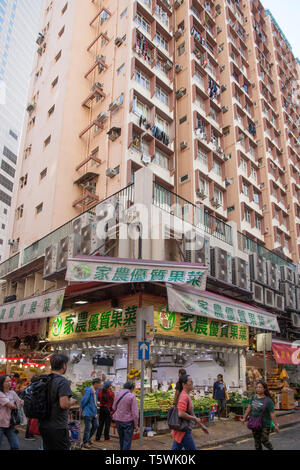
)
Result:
{"points": [[144, 351]]}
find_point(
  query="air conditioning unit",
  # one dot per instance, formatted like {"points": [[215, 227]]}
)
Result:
{"points": [[118, 41], [227, 156], [279, 302], [40, 51], [240, 273], [222, 68], [269, 298], [102, 117], [146, 158], [11, 242], [298, 298], [196, 248], [117, 103], [272, 275], [82, 221], [221, 265], [215, 203], [295, 320], [225, 109], [228, 181], [30, 107], [183, 145], [97, 85], [111, 173], [177, 3], [180, 93], [258, 268], [201, 193], [68, 247], [288, 291], [178, 34], [258, 293], [178, 68], [223, 88], [168, 65], [90, 243], [50, 260], [287, 274], [219, 30]]}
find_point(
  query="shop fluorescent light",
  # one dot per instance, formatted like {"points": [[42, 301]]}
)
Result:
{"points": [[81, 302]]}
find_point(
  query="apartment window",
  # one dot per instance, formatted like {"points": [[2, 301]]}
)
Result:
{"points": [[6, 183], [162, 124], [8, 169], [143, 22], [141, 109], [286, 244], [1, 242], [243, 164], [256, 198], [43, 174], [278, 237], [10, 155], [161, 95], [123, 13], [182, 120], [54, 83], [199, 78], [13, 134], [5, 198], [47, 141], [161, 40], [239, 118], [203, 185], [20, 212], [216, 168], [245, 189], [58, 56], [218, 195], [104, 16], [213, 114], [247, 215], [51, 110], [63, 11], [184, 178], [39, 209], [121, 69], [257, 223], [61, 32], [141, 78], [202, 157], [181, 49], [254, 173], [5, 211], [161, 159]]}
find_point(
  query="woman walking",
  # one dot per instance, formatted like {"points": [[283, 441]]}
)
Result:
{"points": [[126, 415], [262, 407], [186, 411], [219, 394], [9, 401], [106, 398]]}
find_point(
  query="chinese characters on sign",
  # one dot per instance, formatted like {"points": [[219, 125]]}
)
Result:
{"points": [[42, 306], [216, 308], [116, 272], [285, 354], [188, 326], [96, 322]]}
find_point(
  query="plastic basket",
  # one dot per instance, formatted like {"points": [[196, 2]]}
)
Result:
{"points": [[211, 415]]}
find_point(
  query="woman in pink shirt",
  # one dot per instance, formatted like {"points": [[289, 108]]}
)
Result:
{"points": [[8, 402], [126, 415], [186, 411]]}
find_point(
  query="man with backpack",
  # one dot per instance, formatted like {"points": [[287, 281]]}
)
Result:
{"points": [[54, 427]]}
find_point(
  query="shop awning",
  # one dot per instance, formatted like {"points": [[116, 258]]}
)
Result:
{"points": [[119, 270], [286, 353], [40, 306], [216, 306]]}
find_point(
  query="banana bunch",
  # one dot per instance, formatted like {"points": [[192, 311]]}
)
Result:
{"points": [[134, 374]]}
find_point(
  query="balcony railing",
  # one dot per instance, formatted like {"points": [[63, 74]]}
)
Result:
{"points": [[190, 213]]}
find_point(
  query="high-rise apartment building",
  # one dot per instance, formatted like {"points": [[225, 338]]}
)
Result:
{"points": [[196, 90], [19, 21]]}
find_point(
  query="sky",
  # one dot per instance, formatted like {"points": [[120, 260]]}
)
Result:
{"points": [[287, 15]]}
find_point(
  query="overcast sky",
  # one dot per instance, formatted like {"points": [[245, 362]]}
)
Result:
{"points": [[287, 15]]}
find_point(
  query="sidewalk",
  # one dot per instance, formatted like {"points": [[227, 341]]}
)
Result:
{"points": [[220, 433]]}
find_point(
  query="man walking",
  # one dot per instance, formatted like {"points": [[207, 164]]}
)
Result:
{"points": [[54, 429], [88, 405]]}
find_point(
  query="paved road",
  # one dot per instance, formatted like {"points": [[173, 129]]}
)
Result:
{"points": [[287, 439]]}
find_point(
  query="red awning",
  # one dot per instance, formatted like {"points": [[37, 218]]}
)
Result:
{"points": [[286, 354]]}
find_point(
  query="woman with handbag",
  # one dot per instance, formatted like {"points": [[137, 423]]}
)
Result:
{"points": [[9, 416], [126, 415], [261, 413], [184, 438]]}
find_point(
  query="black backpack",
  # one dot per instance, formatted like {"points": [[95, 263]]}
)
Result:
{"points": [[37, 403]]}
